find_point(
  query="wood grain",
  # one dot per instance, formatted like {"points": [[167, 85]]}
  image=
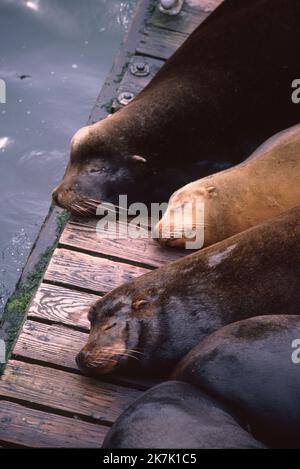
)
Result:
{"points": [[135, 84], [188, 19], [50, 344], [159, 43], [58, 345], [144, 251], [31, 428], [90, 273], [55, 389], [61, 305]]}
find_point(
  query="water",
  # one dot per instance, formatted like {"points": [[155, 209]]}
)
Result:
{"points": [[55, 55]]}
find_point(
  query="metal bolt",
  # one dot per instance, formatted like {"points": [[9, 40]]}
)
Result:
{"points": [[170, 7], [168, 4], [125, 97], [140, 69]]}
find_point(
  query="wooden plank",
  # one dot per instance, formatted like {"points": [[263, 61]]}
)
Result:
{"points": [[21, 426], [159, 43], [95, 274], [55, 389], [50, 344], [135, 84], [144, 251], [204, 5], [58, 345], [188, 19], [61, 305]]}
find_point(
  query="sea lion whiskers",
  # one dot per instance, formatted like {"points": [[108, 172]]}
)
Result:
{"points": [[125, 353], [83, 228], [97, 202], [97, 364], [79, 209]]}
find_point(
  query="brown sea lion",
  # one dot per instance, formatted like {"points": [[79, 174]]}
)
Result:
{"points": [[254, 367], [225, 91], [264, 186], [156, 319], [178, 415]]}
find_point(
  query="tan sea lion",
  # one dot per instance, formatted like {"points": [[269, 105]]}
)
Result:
{"points": [[264, 186], [178, 415], [156, 319], [225, 91], [253, 366]]}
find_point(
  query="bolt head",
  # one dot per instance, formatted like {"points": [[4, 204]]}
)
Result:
{"points": [[125, 97], [168, 4], [140, 66]]}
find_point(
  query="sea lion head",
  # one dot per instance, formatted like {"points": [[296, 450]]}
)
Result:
{"points": [[101, 167], [183, 220], [120, 328]]}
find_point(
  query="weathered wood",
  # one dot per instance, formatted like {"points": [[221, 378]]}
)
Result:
{"points": [[159, 43], [50, 344], [188, 19], [61, 305], [143, 251], [135, 84], [55, 389], [43, 373], [22, 426], [95, 274], [204, 5], [58, 345]]}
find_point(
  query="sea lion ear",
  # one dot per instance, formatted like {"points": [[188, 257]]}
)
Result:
{"points": [[139, 158], [138, 304], [210, 191]]}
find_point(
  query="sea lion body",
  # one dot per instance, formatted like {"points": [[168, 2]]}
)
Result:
{"points": [[225, 91], [249, 366], [178, 415], [157, 318], [264, 186]]}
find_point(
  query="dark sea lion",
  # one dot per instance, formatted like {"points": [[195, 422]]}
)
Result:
{"points": [[249, 366], [156, 319], [178, 415], [264, 186], [225, 91]]}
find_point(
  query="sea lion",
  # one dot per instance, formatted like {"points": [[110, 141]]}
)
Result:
{"points": [[156, 319], [264, 186], [224, 91], [249, 365], [178, 415]]}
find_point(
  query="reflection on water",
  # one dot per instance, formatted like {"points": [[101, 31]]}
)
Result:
{"points": [[55, 55]]}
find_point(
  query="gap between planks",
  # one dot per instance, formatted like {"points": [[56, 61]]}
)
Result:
{"points": [[24, 427], [66, 393], [58, 347], [39, 385], [144, 251]]}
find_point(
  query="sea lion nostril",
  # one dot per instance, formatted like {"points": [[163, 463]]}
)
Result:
{"points": [[80, 359], [55, 197]]}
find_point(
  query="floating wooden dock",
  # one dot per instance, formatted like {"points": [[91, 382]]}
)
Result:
{"points": [[44, 400]]}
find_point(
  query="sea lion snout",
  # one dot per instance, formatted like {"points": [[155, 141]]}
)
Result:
{"points": [[103, 352], [108, 346], [55, 194], [94, 360], [74, 199], [179, 224]]}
